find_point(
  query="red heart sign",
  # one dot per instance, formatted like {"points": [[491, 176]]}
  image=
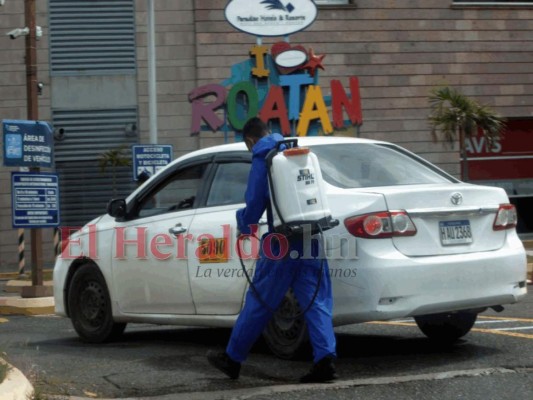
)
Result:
{"points": [[288, 58]]}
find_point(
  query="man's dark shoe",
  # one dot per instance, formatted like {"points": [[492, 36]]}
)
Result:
{"points": [[321, 372], [224, 363]]}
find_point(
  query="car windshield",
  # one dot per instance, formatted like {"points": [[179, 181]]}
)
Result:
{"points": [[359, 165]]}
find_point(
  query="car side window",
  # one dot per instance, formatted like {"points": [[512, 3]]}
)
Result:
{"points": [[177, 193], [229, 184]]}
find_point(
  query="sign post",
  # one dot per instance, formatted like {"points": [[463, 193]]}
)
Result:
{"points": [[29, 144], [35, 200]]}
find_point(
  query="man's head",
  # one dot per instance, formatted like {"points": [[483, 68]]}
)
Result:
{"points": [[253, 131]]}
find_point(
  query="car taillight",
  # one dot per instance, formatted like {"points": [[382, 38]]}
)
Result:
{"points": [[384, 224], [506, 217]]}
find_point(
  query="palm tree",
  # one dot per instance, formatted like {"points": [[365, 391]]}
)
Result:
{"points": [[457, 117], [114, 158]]}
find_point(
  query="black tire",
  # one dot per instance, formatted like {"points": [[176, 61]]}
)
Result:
{"points": [[90, 306], [446, 328], [287, 338]]}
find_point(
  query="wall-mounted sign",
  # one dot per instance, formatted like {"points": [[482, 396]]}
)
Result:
{"points": [[271, 17], [150, 159], [35, 200], [509, 157], [286, 95], [27, 143]]}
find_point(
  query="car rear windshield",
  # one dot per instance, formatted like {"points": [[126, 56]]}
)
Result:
{"points": [[359, 165]]}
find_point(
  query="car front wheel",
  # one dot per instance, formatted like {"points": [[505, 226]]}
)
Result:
{"points": [[90, 306], [446, 328], [285, 336]]}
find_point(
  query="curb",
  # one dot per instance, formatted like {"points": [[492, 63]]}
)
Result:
{"points": [[9, 275], [15, 386], [16, 285], [32, 306]]}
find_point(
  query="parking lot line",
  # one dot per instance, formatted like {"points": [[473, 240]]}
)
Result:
{"points": [[511, 319], [500, 321], [517, 328], [504, 333], [496, 331]]}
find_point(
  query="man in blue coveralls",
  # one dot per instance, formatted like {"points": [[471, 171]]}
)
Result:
{"points": [[273, 278]]}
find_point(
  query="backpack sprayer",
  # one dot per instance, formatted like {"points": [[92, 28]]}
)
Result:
{"points": [[298, 197]]}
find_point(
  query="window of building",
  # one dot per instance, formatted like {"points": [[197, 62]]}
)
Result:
{"points": [[333, 2], [92, 37], [493, 3]]}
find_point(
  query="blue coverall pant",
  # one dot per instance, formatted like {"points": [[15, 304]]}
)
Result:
{"points": [[272, 279]]}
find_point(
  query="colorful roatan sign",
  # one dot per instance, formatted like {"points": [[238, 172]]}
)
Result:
{"points": [[281, 88]]}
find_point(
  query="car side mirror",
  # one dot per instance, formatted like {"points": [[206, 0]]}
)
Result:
{"points": [[117, 208]]}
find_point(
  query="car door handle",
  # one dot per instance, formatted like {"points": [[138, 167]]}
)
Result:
{"points": [[177, 230]]}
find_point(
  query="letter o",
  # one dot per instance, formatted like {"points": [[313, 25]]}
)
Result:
{"points": [[251, 94], [283, 246]]}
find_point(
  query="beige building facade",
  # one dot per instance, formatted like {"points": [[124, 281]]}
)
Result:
{"points": [[93, 64]]}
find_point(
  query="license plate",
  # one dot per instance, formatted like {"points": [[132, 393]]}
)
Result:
{"points": [[455, 232]]}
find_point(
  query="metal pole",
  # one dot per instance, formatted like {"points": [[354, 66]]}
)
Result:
{"points": [[22, 261], [152, 75], [33, 115]]}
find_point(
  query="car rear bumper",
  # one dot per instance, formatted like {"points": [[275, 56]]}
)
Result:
{"points": [[390, 285]]}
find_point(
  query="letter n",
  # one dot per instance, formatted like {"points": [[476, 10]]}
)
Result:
{"points": [[340, 100]]}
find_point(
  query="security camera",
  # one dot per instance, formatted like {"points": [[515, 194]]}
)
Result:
{"points": [[59, 134], [15, 33], [40, 87]]}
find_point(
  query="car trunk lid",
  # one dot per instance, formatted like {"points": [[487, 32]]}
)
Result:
{"points": [[449, 219]]}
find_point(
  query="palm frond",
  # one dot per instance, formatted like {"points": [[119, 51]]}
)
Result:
{"points": [[274, 5], [452, 113]]}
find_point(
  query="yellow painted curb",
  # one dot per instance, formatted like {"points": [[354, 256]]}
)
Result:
{"points": [[15, 386], [16, 285], [20, 306], [528, 243], [9, 275]]}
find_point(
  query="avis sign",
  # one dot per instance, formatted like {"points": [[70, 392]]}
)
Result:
{"points": [[271, 17]]}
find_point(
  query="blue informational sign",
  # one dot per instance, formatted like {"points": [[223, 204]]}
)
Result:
{"points": [[149, 159], [35, 200], [28, 144]]}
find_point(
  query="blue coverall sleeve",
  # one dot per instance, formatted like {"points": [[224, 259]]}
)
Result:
{"points": [[256, 196]]}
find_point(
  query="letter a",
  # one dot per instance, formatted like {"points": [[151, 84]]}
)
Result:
{"points": [[314, 108], [276, 108]]}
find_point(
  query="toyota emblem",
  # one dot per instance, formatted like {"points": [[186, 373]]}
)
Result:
{"points": [[457, 199]]}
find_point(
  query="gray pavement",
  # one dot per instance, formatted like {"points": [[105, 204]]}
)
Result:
{"points": [[382, 359]]}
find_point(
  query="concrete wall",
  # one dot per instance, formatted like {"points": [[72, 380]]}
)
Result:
{"points": [[400, 50], [176, 71]]}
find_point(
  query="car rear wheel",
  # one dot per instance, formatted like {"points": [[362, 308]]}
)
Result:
{"points": [[446, 328], [90, 306], [285, 336]]}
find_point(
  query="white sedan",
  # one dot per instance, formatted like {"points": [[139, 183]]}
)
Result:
{"points": [[412, 241]]}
